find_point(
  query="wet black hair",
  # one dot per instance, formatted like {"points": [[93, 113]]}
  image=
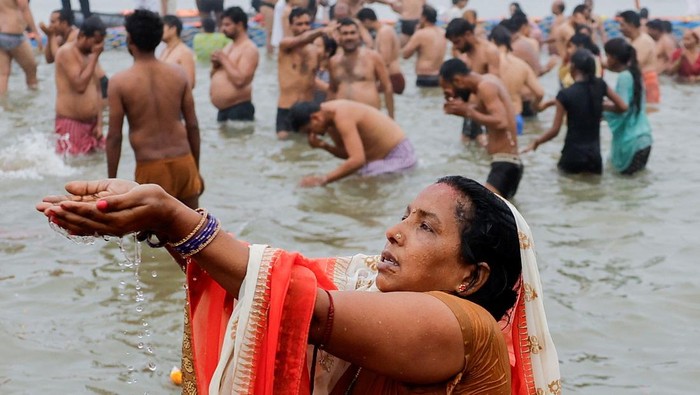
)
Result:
{"points": [[631, 17], [429, 13], [583, 61], [172, 20], [668, 26], [300, 114], [488, 234], [366, 14], [500, 35], [517, 7], [580, 9], [458, 27], [624, 52], [453, 67], [347, 22], [65, 15], [94, 25], [208, 25], [236, 15], [297, 12], [581, 40], [518, 20], [644, 13], [330, 46], [145, 28], [656, 24], [562, 7]]}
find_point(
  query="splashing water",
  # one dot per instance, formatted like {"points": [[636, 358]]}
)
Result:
{"points": [[132, 261], [32, 157]]}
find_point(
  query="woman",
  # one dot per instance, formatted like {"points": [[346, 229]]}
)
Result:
{"points": [[450, 267], [582, 103], [631, 143], [580, 40], [686, 61]]}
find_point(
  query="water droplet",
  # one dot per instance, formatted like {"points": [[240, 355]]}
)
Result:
{"points": [[151, 366], [149, 349], [139, 309], [154, 274], [130, 368], [145, 324], [140, 345]]}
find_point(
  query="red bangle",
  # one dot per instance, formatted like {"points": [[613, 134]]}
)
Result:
{"points": [[329, 322]]}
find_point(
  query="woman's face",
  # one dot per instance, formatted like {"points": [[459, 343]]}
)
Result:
{"points": [[423, 250], [689, 40]]}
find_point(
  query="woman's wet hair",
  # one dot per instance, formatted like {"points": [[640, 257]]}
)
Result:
{"points": [[145, 29], [488, 234], [583, 61], [624, 53], [580, 40]]}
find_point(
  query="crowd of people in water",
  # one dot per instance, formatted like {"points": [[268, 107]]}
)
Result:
{"points": [[336, 77], [461, 255]]}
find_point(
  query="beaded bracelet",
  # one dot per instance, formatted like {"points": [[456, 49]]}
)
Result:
{"points": [[205, 235]]}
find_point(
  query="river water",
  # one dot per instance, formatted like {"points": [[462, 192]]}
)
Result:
{"points": [[616, 254]]}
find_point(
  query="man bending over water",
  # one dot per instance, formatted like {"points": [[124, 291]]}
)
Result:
{"points": [[494, 110], [370, 142], [154, 95]]}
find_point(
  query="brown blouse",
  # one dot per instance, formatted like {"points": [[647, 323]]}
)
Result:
{"points": [[486, 369]]}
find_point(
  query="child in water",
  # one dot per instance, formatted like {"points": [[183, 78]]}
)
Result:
{"points": [[582, 103], [631, 142]]}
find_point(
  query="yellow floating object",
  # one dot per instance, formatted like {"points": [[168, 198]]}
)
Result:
{"points": [[176, 376]]}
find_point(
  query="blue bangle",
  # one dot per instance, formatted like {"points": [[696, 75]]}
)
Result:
{"points": [[201, 239]]}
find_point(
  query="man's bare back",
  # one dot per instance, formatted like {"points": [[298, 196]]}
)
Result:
{"points": [[431, 45], [379, 133], [516, 75], [153, 95]]}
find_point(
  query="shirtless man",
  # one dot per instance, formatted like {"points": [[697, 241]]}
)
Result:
{"points": [[155, 97], [563, 33], [558, 18], [480, 54], [596, 24], [15, 16], [59, 31], [370, 142], [355, 71], [78, 97], [409, 15], [493, 108], [297, 64], [472, 17], [646, 53], [665, 44], [176, 51], [387, 43], [482, 57], [430, 44], [517, 76], [233, 69]]}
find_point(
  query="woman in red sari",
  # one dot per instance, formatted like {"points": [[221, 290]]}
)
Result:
{"points": [[686, 61], [419, 318]]}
